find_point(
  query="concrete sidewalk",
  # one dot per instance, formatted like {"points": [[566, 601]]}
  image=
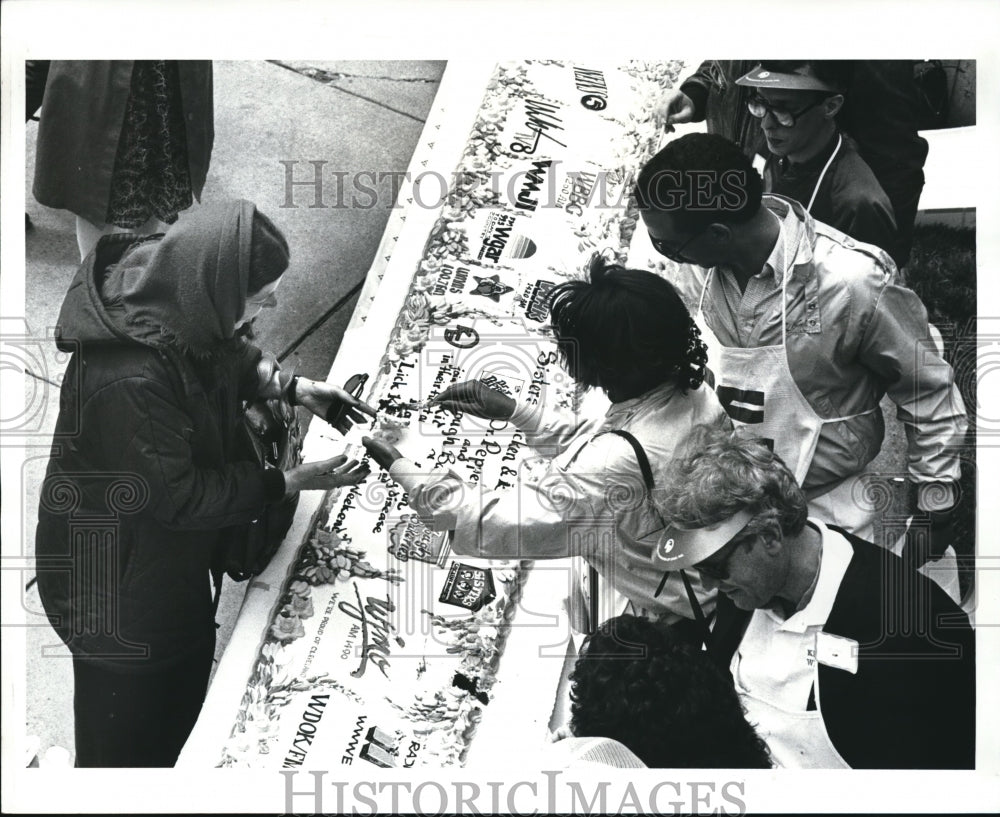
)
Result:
{"points": [[275, 122]]}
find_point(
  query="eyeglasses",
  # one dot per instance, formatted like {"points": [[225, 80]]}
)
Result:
{"points": [[675, 255], [716, 566], [760, 108]]}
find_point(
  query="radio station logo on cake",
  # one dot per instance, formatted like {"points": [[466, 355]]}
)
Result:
{"points": [[590, 187], [536, 300], [468, 586], [593, 90], [451, 278], [371, 742], [531, 188], [529, 191], [500, 237], [490, 291]]}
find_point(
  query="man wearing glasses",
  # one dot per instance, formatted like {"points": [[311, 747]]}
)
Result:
{"points": [[882, 111], [841, 655], [809, 158], [813, 330]]}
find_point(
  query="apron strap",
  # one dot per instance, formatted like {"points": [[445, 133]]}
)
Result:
{"points": [[826, 167]]}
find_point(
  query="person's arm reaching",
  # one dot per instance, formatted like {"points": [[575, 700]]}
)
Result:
{"points": [[531, 519]]}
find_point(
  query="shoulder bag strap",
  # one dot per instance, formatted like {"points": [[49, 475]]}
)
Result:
{"points": [[647, 477]]}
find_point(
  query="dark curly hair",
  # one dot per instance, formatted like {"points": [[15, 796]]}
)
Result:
{"points": [[622, 320], [638, 683]]}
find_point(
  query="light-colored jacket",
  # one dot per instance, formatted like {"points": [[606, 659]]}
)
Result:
{"points": [[855, 334], [588, 500]]}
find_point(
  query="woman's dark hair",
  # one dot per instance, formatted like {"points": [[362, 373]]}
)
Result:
{"points": [[638, 683], [623, 320], [269, 253]]}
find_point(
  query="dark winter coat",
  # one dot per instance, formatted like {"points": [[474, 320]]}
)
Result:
{"points": [[141, 485], [81, 120]]}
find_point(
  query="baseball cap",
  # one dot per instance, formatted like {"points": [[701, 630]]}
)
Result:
{"points": [[678, 548], [760, 77]]}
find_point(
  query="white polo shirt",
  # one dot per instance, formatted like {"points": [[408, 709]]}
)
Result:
{"points": [[776, 659]]}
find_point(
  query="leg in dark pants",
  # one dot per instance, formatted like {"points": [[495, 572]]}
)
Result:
{"points": [[137, 719]]}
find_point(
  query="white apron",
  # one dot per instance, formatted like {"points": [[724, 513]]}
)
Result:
{"points": [[796, 739], [757, 389]]}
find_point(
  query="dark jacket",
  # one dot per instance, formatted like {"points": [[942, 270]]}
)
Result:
{"points": [[881, 112], [81, 120], [140, 487], [722, 104], [849, 197], [912, 702]]}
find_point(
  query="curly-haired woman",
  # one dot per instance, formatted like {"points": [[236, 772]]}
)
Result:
{"points": [[144, 480], [624, 332], [669, 703]]}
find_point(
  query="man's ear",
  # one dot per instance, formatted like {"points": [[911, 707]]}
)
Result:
{"points": [[773, 545], [720, 233], [832, 105]]}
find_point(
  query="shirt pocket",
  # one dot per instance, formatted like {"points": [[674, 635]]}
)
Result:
{"points": [[804, 312]]}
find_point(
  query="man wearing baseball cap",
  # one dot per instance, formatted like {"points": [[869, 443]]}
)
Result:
{"points": [[809, 159], [842, 656]]}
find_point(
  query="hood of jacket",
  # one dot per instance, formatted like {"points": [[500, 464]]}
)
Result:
{"points": [[184, 290]]}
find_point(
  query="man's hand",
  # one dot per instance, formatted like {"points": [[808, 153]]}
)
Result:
{"points": [[472, 397], [382, 452], [326, 474], [322, 399], [675, 108], [927, 539], [929, 532]]}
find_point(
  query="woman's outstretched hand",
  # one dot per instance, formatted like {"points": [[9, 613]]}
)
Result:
{"points": [[341, 408], [472, 397], [325, 474]]}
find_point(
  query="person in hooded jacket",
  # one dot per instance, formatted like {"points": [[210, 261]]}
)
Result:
{"points": [[142, 487]]}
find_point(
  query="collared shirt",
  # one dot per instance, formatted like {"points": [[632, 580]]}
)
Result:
{"points": [[744, 305], [606, 520], [854, 334], [849, 196], [776, 659]]}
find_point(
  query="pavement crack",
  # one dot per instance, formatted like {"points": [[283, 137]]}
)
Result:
{"points": [[322, 75], [330, 79]]}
